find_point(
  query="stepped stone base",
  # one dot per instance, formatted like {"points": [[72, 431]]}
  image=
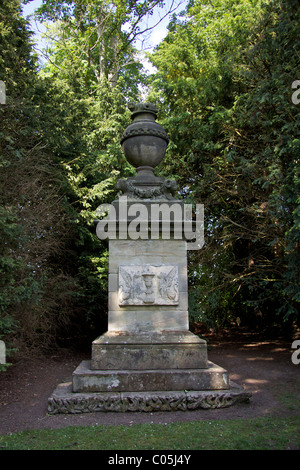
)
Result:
{"points": [[87, 380], [64, 400], [145, 390], [153, 350]]}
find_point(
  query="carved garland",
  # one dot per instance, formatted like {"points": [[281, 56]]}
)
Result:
{"points": [[144, 131], [168, 187], [169, 402]]}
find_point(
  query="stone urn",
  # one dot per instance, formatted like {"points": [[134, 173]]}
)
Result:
{"points": [[144, 141], [149, 293]]}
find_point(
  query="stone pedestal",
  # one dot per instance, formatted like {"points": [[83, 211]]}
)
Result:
{"points": [[148, 359], [153, 350], [148, 327]]}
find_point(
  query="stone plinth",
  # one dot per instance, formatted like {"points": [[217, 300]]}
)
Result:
{"points": [[2, 352], [136, 314], [148, 326], [168, 350], [148, 360], [64, 400], [87, 380]]}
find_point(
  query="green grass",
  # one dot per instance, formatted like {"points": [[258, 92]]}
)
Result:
{"points": [[289, 400], [253, 434]]}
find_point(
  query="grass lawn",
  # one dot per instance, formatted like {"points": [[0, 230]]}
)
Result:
{"points": [[238, 434]]}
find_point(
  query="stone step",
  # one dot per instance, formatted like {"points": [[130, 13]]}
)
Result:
{"points": [[87, 380], [176, 350], [64, 401]]}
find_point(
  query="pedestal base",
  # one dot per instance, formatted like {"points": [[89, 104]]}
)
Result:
{"points": [[145, 390], [87, 380], [64, 400], [152, 350]]}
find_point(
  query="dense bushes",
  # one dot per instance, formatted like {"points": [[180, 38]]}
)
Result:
{"points": [[223, 87]]}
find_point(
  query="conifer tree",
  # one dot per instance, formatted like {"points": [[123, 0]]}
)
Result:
{"points": [[224, 79]]}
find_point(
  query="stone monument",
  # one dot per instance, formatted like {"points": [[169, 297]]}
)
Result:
{"points": [[2, 92], [2, 352], [148, 359]]}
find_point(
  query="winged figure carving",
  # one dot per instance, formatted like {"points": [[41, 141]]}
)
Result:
{"points": [[168, 287], [126, 286]]}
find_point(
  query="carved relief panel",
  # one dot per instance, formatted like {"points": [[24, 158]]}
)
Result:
{"points": [[148, 285]]}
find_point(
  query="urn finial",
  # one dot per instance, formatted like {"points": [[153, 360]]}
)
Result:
{"points": [[144, 141]]}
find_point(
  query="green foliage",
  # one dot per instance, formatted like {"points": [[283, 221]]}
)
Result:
{"points": [[84, 113], [60, 158], [15, 36], [224, 82], [94, 39], [224, 86], [35, 230], [85, 140]]}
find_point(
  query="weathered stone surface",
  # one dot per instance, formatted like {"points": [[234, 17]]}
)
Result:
{"points": [[148, 360], [139, 252], [168, 350], [2, 352], [64, 401], [138, 321], [2, 92], [148, 285], [144, 141], [87, 380], [154, 337], [131, 307], [178, 350]]}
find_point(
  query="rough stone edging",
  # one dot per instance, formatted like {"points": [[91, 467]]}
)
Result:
{"points": [[64, 401]]}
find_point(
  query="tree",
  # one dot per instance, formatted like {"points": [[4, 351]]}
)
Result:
{"points": [[234, 145], [90, 74], [100, 35], [35, 228]]}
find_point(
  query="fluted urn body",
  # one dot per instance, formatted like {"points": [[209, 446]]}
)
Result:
{"points": [[144, 141]]}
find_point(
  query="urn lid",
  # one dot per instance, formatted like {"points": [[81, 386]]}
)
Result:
{"points": [[137, 108]]}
